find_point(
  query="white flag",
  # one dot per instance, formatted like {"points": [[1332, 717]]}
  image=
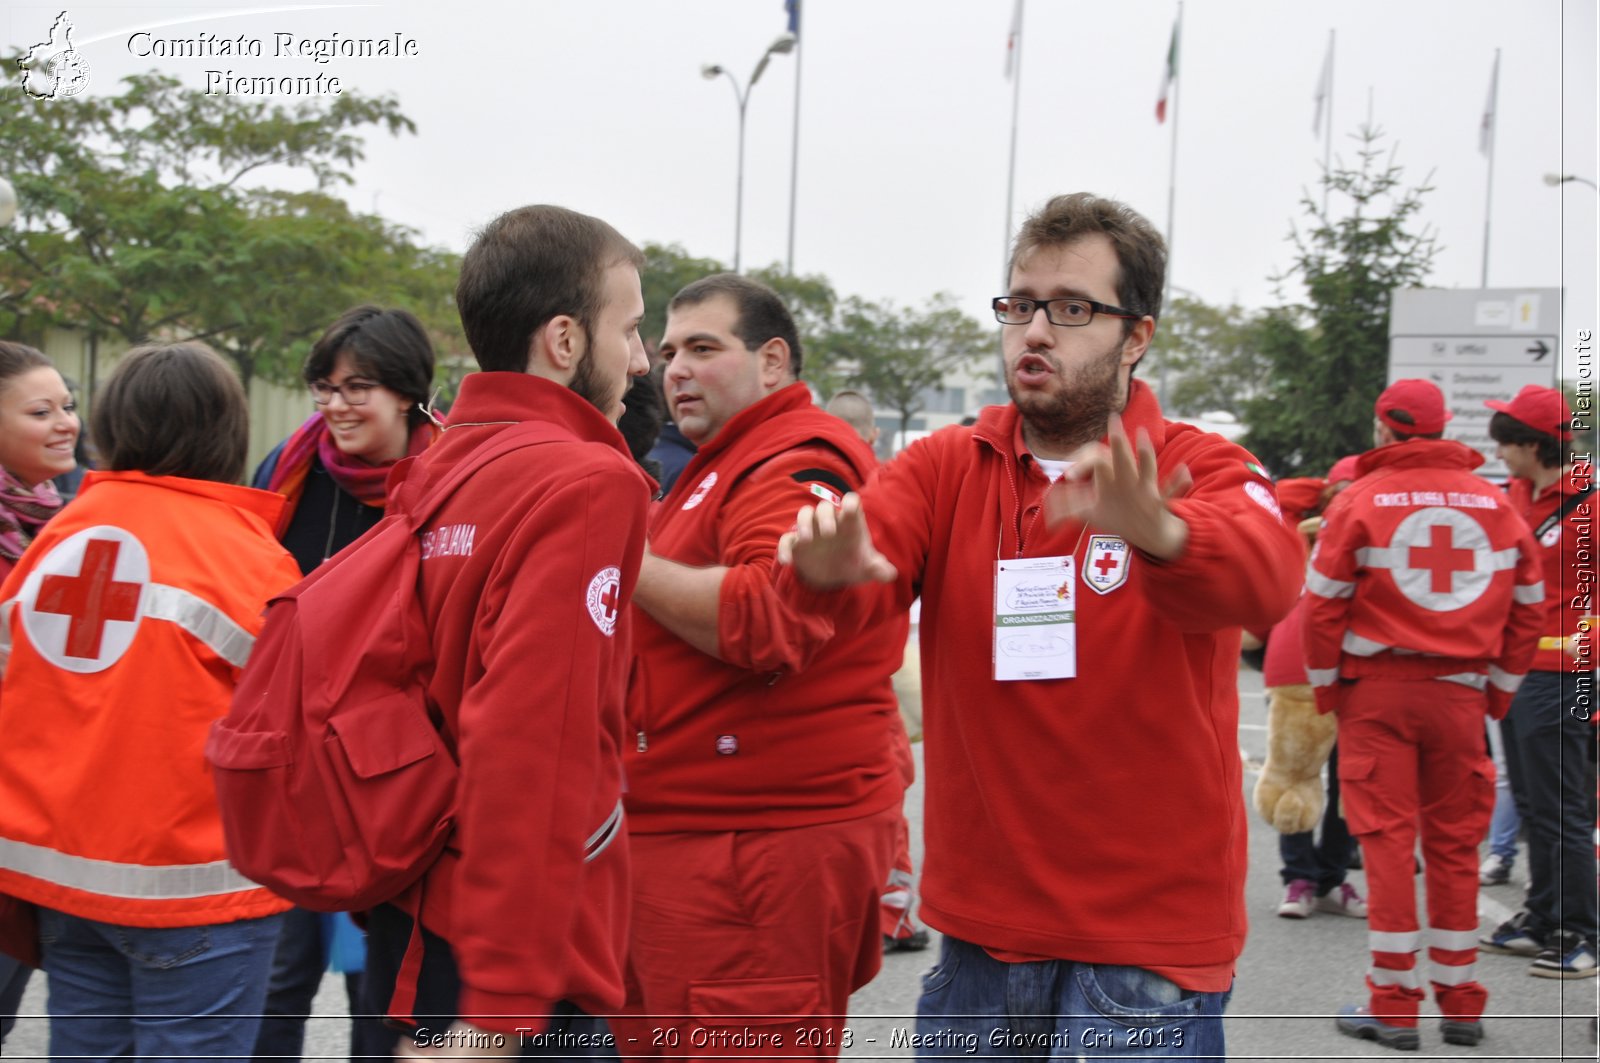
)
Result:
{"points": [[1486, 124], [1324, 88]]}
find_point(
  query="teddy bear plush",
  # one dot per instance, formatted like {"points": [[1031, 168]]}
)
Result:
{"points": [[1289, 794]]}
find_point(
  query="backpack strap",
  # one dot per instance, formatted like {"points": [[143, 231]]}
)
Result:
{"points": [[420, 499], [1560, 515]]}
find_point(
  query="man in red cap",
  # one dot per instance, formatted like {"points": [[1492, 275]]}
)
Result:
{"points": [[1425, 603], [1549, 733]]}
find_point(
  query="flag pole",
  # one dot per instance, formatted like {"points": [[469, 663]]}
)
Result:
{"points": [[1491, 119], [1011, 172], [794, 150], [1327, 134], [1172, 170]]}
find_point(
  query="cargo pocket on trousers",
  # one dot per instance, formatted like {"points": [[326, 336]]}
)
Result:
{"points": [[1356, 794]]}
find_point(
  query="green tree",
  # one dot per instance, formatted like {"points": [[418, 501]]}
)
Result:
{"points": [[898, 355], [1212, 354], [135, 221], [1328, 359], [667, 268]]}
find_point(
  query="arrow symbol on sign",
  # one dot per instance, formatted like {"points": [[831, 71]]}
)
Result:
{"points": [[1538, 350]]}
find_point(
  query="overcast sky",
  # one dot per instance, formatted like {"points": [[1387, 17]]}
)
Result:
{"points": [[905, 118]]}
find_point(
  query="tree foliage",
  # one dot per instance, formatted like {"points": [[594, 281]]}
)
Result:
{"points": [[1327, 359], [1212, 355], [897, 355], [135, 221]]}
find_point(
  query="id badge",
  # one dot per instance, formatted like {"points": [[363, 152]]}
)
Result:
{"points": [[1035, 622]]}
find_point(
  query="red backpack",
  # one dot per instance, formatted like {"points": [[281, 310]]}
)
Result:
{"points": [[337, 789]]}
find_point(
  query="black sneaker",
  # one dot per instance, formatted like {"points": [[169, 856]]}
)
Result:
{"points": [[1513, 938], [1354, 1020], [915, 943], [1461, 1032], [1566, 954]]}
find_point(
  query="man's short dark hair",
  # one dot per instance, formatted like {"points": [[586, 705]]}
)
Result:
{"points": [[1405, 418], [762, 315], [528, 266], [173, 409], [1141, 251], [388, 346], [1504, 428]]}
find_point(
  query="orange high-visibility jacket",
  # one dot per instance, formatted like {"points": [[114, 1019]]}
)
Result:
{"points": [[127, 622]]}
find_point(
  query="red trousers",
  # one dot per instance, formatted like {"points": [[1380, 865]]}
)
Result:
{"points": [[1412, 761], [749, 944]]}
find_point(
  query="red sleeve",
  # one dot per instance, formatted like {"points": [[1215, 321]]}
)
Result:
{"points": [[533, 745], [1241, 565], [1330, 587], [758, 628], [1523, 626]]}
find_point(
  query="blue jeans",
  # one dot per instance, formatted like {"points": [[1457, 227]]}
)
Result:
{"points": [[163, 993], [13, 981], [975, 1005], [1506, 824]]}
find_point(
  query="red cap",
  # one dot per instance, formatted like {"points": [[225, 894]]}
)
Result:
{"points": [[1541, 409], [1299, 496], [1344, 469], [1421, 400]]}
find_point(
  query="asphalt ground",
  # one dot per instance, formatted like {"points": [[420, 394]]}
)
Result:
{"points": [[1293, 976]]}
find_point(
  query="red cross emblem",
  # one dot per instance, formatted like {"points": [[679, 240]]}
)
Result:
{"points": [[603, 598], [91, 598], [1105, 563], [1441, 559]]}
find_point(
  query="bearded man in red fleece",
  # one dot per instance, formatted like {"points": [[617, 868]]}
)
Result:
{"points": [[1085, 567], [762, 794]]}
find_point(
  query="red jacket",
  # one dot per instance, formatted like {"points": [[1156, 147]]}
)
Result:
{"points": [[1424, 571], [128, 620], [1567, 549], [525, 578], [788, 725], [1100, 818]]}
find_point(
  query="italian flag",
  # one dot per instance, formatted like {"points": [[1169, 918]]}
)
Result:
{"points": [[1168, 76]]}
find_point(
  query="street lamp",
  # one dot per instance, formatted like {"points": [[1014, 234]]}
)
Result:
{"points": [[1555, 180], [741, 95]]}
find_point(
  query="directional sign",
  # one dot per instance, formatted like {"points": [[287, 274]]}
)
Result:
{"points": [[1476, 344]]}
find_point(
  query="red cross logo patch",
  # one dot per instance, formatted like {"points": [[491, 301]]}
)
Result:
{"points": [[82, 604], [1440, 558], [605, 595], [701, 490], [1105, 566]]}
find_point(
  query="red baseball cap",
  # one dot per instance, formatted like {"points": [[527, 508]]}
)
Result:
{"points": [[1541, 409], [1344, 469], [1420, 400]]}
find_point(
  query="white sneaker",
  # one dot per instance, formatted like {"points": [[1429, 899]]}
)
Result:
{"points": [[1299, 899], [1343, 900], [1496, 871]]}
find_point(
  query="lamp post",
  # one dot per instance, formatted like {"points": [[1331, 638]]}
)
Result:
{"points": [[741, 95], [8, 203], [1556, 180]]}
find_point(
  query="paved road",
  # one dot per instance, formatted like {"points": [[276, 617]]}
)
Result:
{"points": [[1292, 977]]}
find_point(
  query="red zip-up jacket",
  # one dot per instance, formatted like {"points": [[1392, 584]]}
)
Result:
{"points": [[1100, 818], [525, 579], [787, 726], [1423, 571], [1567, 549]]}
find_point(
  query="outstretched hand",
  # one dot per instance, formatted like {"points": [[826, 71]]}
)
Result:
{"points": [[1111, 488], [831, 547]]}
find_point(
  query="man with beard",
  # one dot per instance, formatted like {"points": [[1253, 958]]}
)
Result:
{"points": [[762, 794], [1085, 567], [525, 577]]}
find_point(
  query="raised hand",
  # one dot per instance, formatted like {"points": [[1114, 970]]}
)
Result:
{"points": [[831, 547], [1116, 491]]}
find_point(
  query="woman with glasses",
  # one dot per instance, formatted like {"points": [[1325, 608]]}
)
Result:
{"points": [[369, 375]]}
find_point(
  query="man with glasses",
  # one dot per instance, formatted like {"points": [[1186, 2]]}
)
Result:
{"points": [[1085, 567]]}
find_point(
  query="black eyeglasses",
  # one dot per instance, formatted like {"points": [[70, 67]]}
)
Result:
{"points": [[1015, 310], [353, 392]]}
